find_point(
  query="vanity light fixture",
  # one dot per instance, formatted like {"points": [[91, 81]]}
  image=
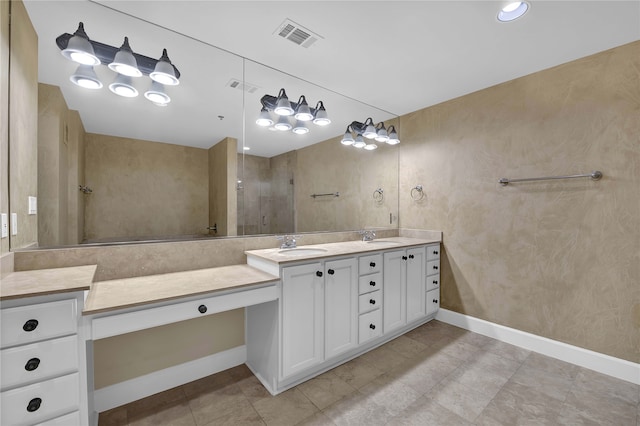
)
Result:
{"points": [[369, 130], [512, 10], [283, 108], [79, 48]]}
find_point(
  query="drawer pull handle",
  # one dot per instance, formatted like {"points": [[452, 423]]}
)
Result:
{"points": [[435, 300], [435, 267], [372, 264], [435, 282], [331, 272], [202, 309], [372, 301], [411, 256], [34, 404], [32, 364], [435, 252], [372, 283], [318, 274], [30, 325], [404, 257], [371, 326]]}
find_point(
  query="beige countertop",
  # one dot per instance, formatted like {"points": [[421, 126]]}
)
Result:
{"points": [[125, 293], [307, 252], [42, 282]]}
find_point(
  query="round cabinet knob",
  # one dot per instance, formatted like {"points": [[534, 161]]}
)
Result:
{"points": [[372, 264], [318, 274], [435, 300], [32, 364], [372, 283], [30, 325], [435, 267], [372, 301], [404, 257], [331, 272], [411, 256], [435, 252], [371, 326], [435, 282], [34, 404], [202, 309]]}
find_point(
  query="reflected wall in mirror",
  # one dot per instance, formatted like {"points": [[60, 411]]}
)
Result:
{"points": [[114, 169]]}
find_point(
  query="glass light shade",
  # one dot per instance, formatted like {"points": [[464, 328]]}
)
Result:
{"points": [[264, 119], [359, 142], [370, 146], [283, 124], [300, 128], [283, 106], [124, 62], [164, 72], [347, 139], [321, 118], [123, 86], [79, 48], [303, 112], [513, 11], [156, 94], [370, 132], [381, 135], [86, 77]]}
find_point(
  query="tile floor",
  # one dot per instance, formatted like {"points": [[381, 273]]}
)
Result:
{"points": [[436, 374]]}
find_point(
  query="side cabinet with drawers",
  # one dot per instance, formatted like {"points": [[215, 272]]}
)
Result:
{"points": [[433, 279], [43, 361], [369, 297]]}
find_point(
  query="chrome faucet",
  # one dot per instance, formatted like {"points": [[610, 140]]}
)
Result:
{"points": [[367, 235], [288, 241]]}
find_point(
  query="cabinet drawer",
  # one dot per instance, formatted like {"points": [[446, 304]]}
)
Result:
{"points": [[38, 361], [433, 301], [433, 282], [41, 401], [433, 252], [26, 324], [369, 302], [370, 264], [70, 419], [370, 325], [433, 267], [370, 283]]}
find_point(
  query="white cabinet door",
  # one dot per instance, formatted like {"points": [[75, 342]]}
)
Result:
{"points": [[394, 289], [341, 306], [302, 317], [416, 258]]}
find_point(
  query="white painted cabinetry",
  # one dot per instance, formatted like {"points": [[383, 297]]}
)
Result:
{"points": [[432, 299], [404, 278], [341, 306]]}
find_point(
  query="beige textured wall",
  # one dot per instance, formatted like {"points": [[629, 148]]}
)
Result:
{"points": [[4, 117], [558, 259], [143, 188], [75, 198], [329, 167], [223, 172], [23, 132]]}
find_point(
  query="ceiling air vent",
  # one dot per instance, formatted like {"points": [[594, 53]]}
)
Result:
{"points": [[296, 33], [234, 83]]}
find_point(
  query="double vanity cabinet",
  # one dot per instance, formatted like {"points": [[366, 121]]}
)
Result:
{"points": [[337, 304]]}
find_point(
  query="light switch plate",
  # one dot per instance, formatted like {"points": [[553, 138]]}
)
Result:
{"points": [[4, 226], [33, 205], [14, 223]]}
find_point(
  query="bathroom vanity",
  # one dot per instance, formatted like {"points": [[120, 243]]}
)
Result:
{"points": [[308, 309]]}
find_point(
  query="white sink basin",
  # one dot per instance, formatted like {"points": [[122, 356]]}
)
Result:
{"points": [[382, 242], [302, 251]]}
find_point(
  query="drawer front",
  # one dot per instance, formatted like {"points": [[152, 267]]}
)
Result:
{"points": [[26, 324], [38, 361], [71, 419], [370, 283], [433, 252], [433, 282], [369, 302], [433, 301], [41, 401], [433, 267], [370, 264], [370, 325]]}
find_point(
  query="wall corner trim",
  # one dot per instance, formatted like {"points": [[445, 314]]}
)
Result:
{"points": [[131, 390], [605, 364]]}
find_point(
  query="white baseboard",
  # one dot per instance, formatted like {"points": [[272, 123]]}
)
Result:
{"points": [[605, 364], [131, 390]]}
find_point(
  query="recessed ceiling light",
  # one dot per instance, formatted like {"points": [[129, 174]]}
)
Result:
{"points": [[512, 11]]}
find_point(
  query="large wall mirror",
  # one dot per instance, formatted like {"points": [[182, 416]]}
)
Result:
{"points": [[113, 169]]}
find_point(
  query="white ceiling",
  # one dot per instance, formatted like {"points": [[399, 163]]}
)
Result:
{"points": [[399, 56]]}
